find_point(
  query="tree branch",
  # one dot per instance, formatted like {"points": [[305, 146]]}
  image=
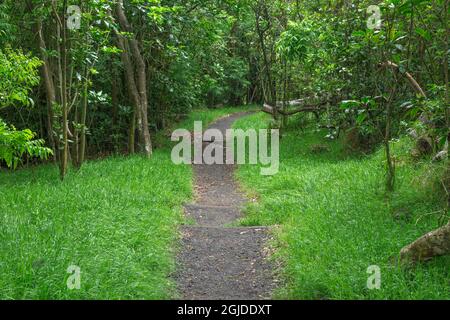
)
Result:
{"points": [[417, 88]]}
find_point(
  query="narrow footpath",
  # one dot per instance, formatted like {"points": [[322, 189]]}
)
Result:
{"points": [[218, 262]]}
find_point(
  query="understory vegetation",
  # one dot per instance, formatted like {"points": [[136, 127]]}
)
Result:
{"points": [[334, 220]]}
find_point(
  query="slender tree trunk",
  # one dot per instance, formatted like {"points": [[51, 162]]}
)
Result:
{"points": [[142, 88], [49, 88], [390, 174], [132, 90], [82, 151], [445, 65], [115, 89], [136, 78], [76, 141], [284, 121], [132, 134], [271, 96], [63, 72]]}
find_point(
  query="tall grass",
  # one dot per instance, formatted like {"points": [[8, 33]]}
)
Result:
{"points": [[336, 221]]}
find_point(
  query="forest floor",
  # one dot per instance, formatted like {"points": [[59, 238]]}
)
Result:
{"points": [[217, 261]]}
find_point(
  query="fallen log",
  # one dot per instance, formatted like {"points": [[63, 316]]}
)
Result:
{"points": [[268, 109], [307, 108], [433, 244], [292, 103]]}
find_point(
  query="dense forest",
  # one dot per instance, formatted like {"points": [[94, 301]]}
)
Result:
{"points": [[116, 73], [90, 79]]}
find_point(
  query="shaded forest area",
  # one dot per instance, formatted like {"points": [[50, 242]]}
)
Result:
{"points": [[85, 79]]}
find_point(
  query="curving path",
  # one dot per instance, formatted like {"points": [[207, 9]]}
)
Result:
{"points": [[219, 262]]}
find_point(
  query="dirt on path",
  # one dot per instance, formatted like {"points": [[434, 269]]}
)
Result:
{"points": [[217, 262]]}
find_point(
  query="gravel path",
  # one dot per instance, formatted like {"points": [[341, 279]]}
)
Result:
{"points": [[217, 262]]}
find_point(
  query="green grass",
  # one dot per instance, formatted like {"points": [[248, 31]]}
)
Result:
{"points": [[116, 219], [335, 220]]}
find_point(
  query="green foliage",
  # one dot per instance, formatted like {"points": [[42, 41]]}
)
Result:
{"points": [[211, 54], [14, 144], [7, 30], [18, 74], [298, 40], [363, 114], [331, 53]]}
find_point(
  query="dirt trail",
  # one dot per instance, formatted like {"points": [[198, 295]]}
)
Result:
{"points": [[219, 262]]}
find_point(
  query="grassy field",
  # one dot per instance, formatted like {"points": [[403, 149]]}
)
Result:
{"points": [[116, 219], [335, 220]]}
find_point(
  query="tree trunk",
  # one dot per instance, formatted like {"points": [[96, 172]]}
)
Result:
{"points": [[271, 91], [445, 67], [284, 118], [49, 87], [433, 244], [82, 150], [136, 78], [132, 134], [390, 174], [390, 165], [63, 83], [115, 89]]}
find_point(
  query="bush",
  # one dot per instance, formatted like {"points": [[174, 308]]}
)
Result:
{"points": [[14, 144]]}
